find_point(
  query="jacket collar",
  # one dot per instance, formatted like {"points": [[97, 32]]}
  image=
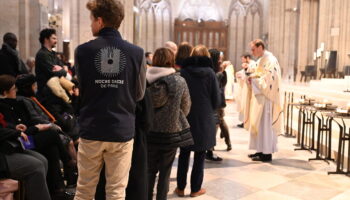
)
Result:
{"points": [[198, 61], [155, 73], [109, 31], [46, 50]]}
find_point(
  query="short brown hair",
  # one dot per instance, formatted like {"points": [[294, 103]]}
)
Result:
{"points": [[184, 51], [111, 11], [200, 50], [258, 43], [6, 83], [163, 57]]}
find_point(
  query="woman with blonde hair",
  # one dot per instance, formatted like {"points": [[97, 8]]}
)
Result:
{"points": [[205, 96]]}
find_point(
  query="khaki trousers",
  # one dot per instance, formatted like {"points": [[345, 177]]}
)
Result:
{"points": [[91, 156]]}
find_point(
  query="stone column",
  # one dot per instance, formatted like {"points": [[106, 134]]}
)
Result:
{"points": [[23, 35], [38, 21]]}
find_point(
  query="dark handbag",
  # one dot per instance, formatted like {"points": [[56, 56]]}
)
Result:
{"points": [[11, 146]]}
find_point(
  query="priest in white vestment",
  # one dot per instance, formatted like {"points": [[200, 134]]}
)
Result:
{"points": [[265, 116], [242, 90]]}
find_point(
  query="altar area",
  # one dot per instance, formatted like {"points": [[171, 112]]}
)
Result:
{"points": [[330, 89], [315, 127]]}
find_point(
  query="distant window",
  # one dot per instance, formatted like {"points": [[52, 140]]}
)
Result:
{"points": [[205, 10]]}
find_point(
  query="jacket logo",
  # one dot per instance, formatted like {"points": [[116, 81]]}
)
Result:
{"points": [[110, 61]]}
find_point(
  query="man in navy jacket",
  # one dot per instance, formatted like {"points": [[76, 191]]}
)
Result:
{"points": [[111, 74]]}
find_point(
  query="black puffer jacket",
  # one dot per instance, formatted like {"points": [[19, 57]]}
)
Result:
{"points": [[171, 103], [205, 95]]}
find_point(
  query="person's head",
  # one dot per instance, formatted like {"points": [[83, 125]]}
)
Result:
{"points": [[7, 86], [163, 57], [11, 40], [105, 13], [257, 47], [149, 58], [172, 46], [26, 85], [200, 50], [30, 63], [246, 58], [184, 51], [48, 38], [215, 58]]}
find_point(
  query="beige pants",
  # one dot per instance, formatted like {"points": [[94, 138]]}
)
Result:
{"points": [[91, 156]]}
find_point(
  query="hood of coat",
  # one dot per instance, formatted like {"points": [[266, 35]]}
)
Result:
{"points": [[200, 66], [155, 73]]}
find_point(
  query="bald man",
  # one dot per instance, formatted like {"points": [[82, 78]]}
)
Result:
{"points": [[172, 46], [11, 64]]}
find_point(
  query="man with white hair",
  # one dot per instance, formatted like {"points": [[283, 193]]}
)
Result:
{"points": [[31, 65], [172, 46]]}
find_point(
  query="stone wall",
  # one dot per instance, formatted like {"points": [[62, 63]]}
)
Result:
{"points": [[23, 18], [294, 35]]}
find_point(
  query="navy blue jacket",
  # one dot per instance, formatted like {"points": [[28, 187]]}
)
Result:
{"points": [[205, 96], [111, 74]]}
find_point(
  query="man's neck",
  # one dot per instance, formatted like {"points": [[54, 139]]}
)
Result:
{"points": [[262, 54], [47, 47]]}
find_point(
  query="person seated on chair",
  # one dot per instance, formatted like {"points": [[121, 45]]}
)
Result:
{"points": [[46, 140]]}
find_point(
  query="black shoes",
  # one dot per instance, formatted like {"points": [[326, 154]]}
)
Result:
{"points": [[263, 158], [211, 157], [229, 148], [240, 125], [254, 155]]}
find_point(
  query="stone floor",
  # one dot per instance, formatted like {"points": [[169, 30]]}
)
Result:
{"points": [[290, 176]]}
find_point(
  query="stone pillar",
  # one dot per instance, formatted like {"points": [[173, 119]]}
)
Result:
{"points": [[127, 27], [38, 21], [74, 27], [24, 34], [10, 21]]}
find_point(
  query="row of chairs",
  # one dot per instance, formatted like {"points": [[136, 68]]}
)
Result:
{"points": [[311, 73], [330, 69]]}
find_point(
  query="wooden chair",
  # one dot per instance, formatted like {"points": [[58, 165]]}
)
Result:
{"points": [[345, 72], [330, 69], [310, 71], [7, 189]]}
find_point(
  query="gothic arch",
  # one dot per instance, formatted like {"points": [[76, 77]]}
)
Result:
{"points": [[245, 24], [204, 10], [154, 23]]}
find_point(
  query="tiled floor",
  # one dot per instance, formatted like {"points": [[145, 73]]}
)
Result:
{"points": [[290, 176]]}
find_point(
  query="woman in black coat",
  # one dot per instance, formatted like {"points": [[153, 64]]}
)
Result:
{"points": [[205, 96]]}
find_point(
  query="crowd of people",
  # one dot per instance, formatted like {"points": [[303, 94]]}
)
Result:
{"points": [[113, 122]]}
